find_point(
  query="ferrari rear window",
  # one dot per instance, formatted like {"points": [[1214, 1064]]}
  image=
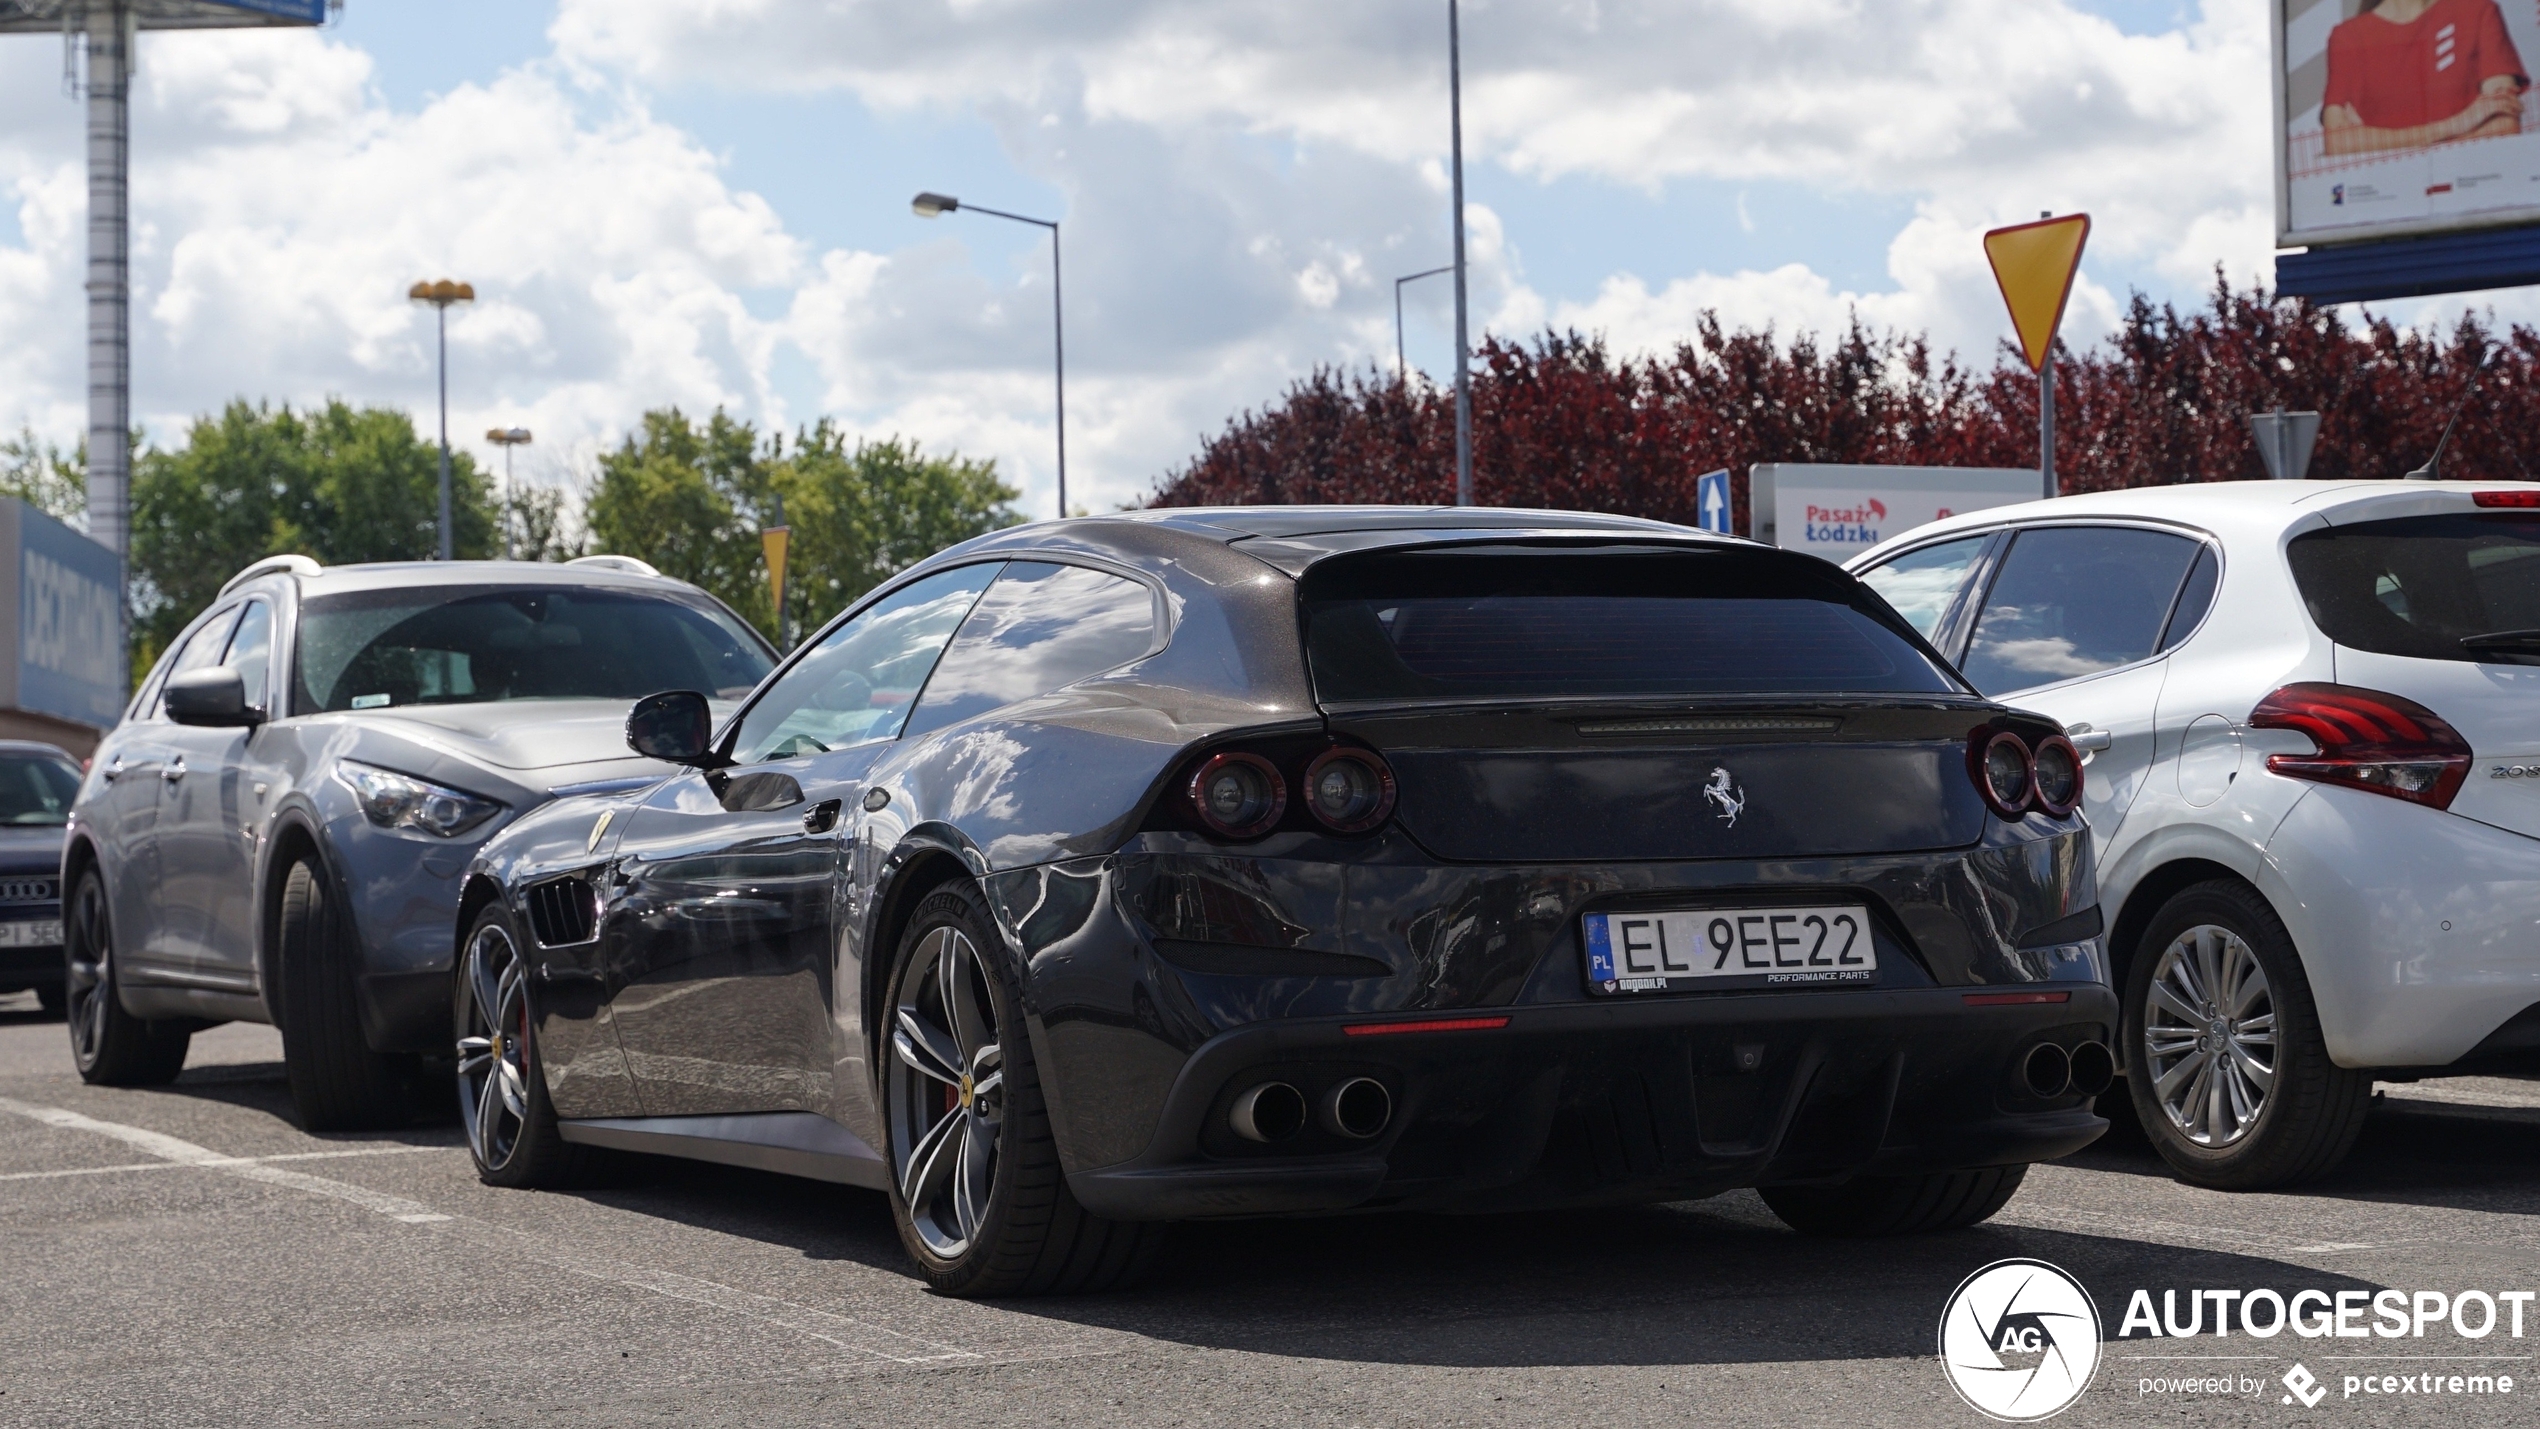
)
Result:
{"points": [[1481, 623], [2459, 587]]}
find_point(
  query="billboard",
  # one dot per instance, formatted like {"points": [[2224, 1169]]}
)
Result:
{"points": [[2402, 117], [69, 656], [1840, 511]]}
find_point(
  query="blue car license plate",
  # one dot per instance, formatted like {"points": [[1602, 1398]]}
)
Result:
{"points": [[1720, 949]]}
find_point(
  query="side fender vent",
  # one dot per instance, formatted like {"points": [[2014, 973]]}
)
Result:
{"points": [[563, 912]]}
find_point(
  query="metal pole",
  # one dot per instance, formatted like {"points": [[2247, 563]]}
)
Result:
{"points": [[1058, 317], [507, 499], [441, 316], [1463, 346], [2046, 420], [1401, 368], [109, 280]]}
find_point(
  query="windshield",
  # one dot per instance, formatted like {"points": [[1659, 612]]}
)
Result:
{"points": [[2421, 585], [1493, 622], [36, 788], [442, 645]]}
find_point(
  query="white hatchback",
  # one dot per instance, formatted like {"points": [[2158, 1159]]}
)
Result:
{"points": [[2310, 712]]}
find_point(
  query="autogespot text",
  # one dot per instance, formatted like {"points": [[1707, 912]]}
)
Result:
{"points": [[2461, 1319]]}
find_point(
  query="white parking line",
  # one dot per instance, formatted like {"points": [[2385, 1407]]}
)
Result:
{"points": [[844, 1332], [224, 1161]]}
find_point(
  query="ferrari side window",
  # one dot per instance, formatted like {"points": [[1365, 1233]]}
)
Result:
{"points": [[1041, 627], [857, 685]]}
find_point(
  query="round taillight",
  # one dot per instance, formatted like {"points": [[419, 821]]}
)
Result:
{"points": [[2055, 772], [1238, 795], [1348, 791], [2005, 774]]}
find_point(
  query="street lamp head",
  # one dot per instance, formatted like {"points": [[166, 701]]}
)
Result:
{"points": [[929, 205], [441, 293], [508, 436]]}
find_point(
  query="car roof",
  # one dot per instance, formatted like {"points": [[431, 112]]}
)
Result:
{"points": [[2223, 508], [394, 575], [36, 746], [1235, 523], [1291, 538]]}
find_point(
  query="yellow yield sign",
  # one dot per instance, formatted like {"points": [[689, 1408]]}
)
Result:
{"points": [[2034, 264]]}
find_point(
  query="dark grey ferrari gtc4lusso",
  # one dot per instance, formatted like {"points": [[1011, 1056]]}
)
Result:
{"points": [[1117, 871]]}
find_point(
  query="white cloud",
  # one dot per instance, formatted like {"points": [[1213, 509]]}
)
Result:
{"points": [[1240, 180]]}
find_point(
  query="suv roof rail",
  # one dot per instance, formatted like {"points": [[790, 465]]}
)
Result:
{"points": [[628, 564], [273, 565]]}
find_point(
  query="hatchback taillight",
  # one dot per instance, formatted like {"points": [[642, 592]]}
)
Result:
{"points": [[2015, 776], [1238, 795], [2369, 740], [1348, 790]]}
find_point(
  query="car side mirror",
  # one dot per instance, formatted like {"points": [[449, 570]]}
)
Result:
{"points": [[674, 726], [214, 696]]}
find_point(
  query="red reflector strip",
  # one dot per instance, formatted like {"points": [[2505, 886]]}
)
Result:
{"points": [[1433, 1024], [2506, 498], [2012, 999]]}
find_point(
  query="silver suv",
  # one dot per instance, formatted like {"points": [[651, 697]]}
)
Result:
{"points": [[277, 829]]}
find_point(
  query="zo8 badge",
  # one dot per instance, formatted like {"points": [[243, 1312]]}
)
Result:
{"points": [[2019, 1340]]}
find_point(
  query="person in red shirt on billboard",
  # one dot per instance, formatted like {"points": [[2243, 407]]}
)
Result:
{"points": [[2405, 74]]}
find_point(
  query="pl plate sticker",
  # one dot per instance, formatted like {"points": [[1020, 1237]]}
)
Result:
{"points": [[2019, 1340]]}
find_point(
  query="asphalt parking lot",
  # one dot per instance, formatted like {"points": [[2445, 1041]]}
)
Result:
{"points": [[186, 1255]]}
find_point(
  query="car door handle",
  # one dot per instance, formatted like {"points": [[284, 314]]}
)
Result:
{"points": [[2093, 741], [112, 771], [175, 769], [820, 818]]}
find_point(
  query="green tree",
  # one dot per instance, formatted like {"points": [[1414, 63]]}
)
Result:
{"points": [[693, 499], [339, 484], [45, 477]]}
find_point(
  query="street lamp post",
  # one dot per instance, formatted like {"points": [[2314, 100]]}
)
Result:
{"points": [[1402, 369], [506, 438], [441, 294], [929, 205], [1463, 346]]}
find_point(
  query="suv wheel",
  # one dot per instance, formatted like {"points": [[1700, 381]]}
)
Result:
{"points": [[112, 1047], [337, 1081], [2227, 1069], [976, 1189]]}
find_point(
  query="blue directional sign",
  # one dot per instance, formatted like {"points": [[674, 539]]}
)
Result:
{"points": [[1711, 501]]}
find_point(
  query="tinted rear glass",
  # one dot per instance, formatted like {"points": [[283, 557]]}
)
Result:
{"points": [[36, 788], [441, 645], [2420, 585], [1473, 624]]}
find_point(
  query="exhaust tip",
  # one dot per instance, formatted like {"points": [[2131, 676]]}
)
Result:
{"points": [[2047, 1070], [1273, 1111], [1357, 1108], [2094, 1068]]}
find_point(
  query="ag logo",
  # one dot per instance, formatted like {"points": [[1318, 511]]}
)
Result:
{"points": [[2019, 1340]]}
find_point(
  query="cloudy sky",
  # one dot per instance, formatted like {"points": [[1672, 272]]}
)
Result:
{"points": [[705, 202]]}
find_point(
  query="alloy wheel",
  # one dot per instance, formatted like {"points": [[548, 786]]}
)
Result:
{"points": [[2209, 1039], [946, 1087], [494, 1048], [90, 955]]}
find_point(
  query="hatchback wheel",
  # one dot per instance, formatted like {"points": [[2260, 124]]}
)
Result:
{"points": [[975, 1182], [511, 1126], [111, 1047], [1896, 1205], [2228, 1072]]}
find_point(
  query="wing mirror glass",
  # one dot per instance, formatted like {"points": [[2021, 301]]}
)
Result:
{"points": [[213, 696], [674, 725]]}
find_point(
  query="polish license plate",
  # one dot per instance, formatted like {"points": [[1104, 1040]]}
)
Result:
{"points": [[31, 935], [1719, 949]]}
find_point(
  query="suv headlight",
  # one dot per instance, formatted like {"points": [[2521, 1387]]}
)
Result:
{"points": [[401, 801]]}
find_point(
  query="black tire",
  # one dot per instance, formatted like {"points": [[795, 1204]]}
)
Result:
{"points": [[337, 1081], [1031, 1238], [1896, 1205], [2312, 1110], [54, 997], [503, 1106], [111, 1047]]}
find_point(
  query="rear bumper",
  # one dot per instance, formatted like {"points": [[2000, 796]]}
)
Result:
{"points": [[1615, 1101], [2419, 930]]}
